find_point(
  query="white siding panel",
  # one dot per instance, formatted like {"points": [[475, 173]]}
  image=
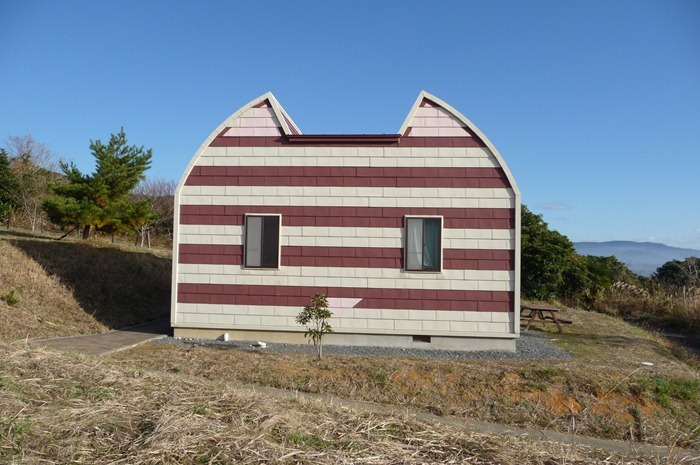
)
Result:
{"points": [[363, 156], [273, 321], [221, 319], [195, 318], [239, 152], [416, 193], [351, 323], [502, 317], [380, 324], [282, 318], [447, 315], [435, 325], [213, 152], [347, 277], [407, 325], [348, 236], [478, 316], [463, 326], [493, 327], [391, 314], [344, 152], [247, 320], [338, 200]]}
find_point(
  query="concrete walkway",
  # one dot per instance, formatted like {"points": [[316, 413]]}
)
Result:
{"points": [[105, 343]]}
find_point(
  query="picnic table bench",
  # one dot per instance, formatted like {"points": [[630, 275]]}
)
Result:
{"points": [[535, 313]]}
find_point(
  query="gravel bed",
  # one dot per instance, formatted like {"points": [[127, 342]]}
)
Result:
{"points": [[530, 346]]}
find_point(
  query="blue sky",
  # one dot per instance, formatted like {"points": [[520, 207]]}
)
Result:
{"points": [[594, 105]]}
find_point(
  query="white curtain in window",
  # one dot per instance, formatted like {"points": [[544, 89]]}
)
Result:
{"points": [[414, 244], [253, 240]]}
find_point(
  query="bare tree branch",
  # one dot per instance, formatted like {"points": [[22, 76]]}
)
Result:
{"points": [[34, 166]]}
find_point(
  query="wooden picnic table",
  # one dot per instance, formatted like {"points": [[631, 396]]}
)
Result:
{"points": [[535, 313]]}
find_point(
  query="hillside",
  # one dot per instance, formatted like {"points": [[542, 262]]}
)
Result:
{"points": [[56, 288], [162, 403], [641, 257]]}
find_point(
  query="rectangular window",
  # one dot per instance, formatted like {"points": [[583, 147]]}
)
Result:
{"points": [[423, 244], [262, 241]]}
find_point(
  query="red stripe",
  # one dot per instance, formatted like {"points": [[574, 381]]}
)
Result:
{"points": [[298, 296], [367, 217], [346, 141], [348, 176], [352, 257]]}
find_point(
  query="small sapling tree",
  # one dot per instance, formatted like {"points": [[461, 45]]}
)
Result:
{"points": [[315, 318]]}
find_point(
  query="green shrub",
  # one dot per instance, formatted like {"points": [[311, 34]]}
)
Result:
{"points": [[680, 389], [12, 298], [315, 318]]}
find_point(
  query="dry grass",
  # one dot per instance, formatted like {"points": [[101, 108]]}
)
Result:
{"points": [[68, 287], [56, 408], [164, 404], [657, 307], [606, 392], [41, 306]]}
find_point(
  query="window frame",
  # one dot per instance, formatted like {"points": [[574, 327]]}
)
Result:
{"points": [[423, 269], [246, 241]]}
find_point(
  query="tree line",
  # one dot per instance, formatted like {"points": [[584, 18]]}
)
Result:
{"points": [[38, 191], [553, 271]]}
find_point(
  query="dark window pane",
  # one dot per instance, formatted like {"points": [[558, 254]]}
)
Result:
{"points": [[431, 244], [270, 241]]}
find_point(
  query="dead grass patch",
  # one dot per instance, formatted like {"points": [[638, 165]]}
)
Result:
{"points": [[44, 307], [163, 404], [605, 392], [57, 408], [50, 288]]}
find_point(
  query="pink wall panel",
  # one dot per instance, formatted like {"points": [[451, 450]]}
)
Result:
{"points": [[390, 217], [298, 296], [359, 257], [271, 141], [347, 176]]}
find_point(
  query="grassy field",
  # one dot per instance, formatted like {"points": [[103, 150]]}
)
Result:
{"points": [[58, 408], [604, 392], [182, 404]]}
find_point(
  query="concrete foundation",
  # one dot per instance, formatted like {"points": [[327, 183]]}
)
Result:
{"points": [[477, 343]]}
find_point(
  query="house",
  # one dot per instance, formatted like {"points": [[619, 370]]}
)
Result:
{"points": [[414, 237]]}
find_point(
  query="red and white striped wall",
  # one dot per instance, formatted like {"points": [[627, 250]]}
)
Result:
{"points": [[343, 200]]}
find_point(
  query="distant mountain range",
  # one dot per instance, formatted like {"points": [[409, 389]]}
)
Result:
{"points": [[641, 257]]}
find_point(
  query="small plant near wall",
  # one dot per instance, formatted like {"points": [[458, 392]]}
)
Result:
{"points": [[315, 318]]}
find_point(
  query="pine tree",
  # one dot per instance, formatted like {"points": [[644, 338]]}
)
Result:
{"points": [[102, 200]]}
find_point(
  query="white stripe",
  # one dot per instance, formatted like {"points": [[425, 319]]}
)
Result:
{"points": [[378, 162], [385, 278], [364, 313], [314, 236], [425, 322], [326, 191], [442, 157], [348, 197], [357, 201]]}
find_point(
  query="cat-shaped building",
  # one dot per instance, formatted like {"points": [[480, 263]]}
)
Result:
{"points": [[413, 237]]}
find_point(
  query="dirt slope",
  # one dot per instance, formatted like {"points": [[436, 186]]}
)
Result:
{"points": [[58, 288]]}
